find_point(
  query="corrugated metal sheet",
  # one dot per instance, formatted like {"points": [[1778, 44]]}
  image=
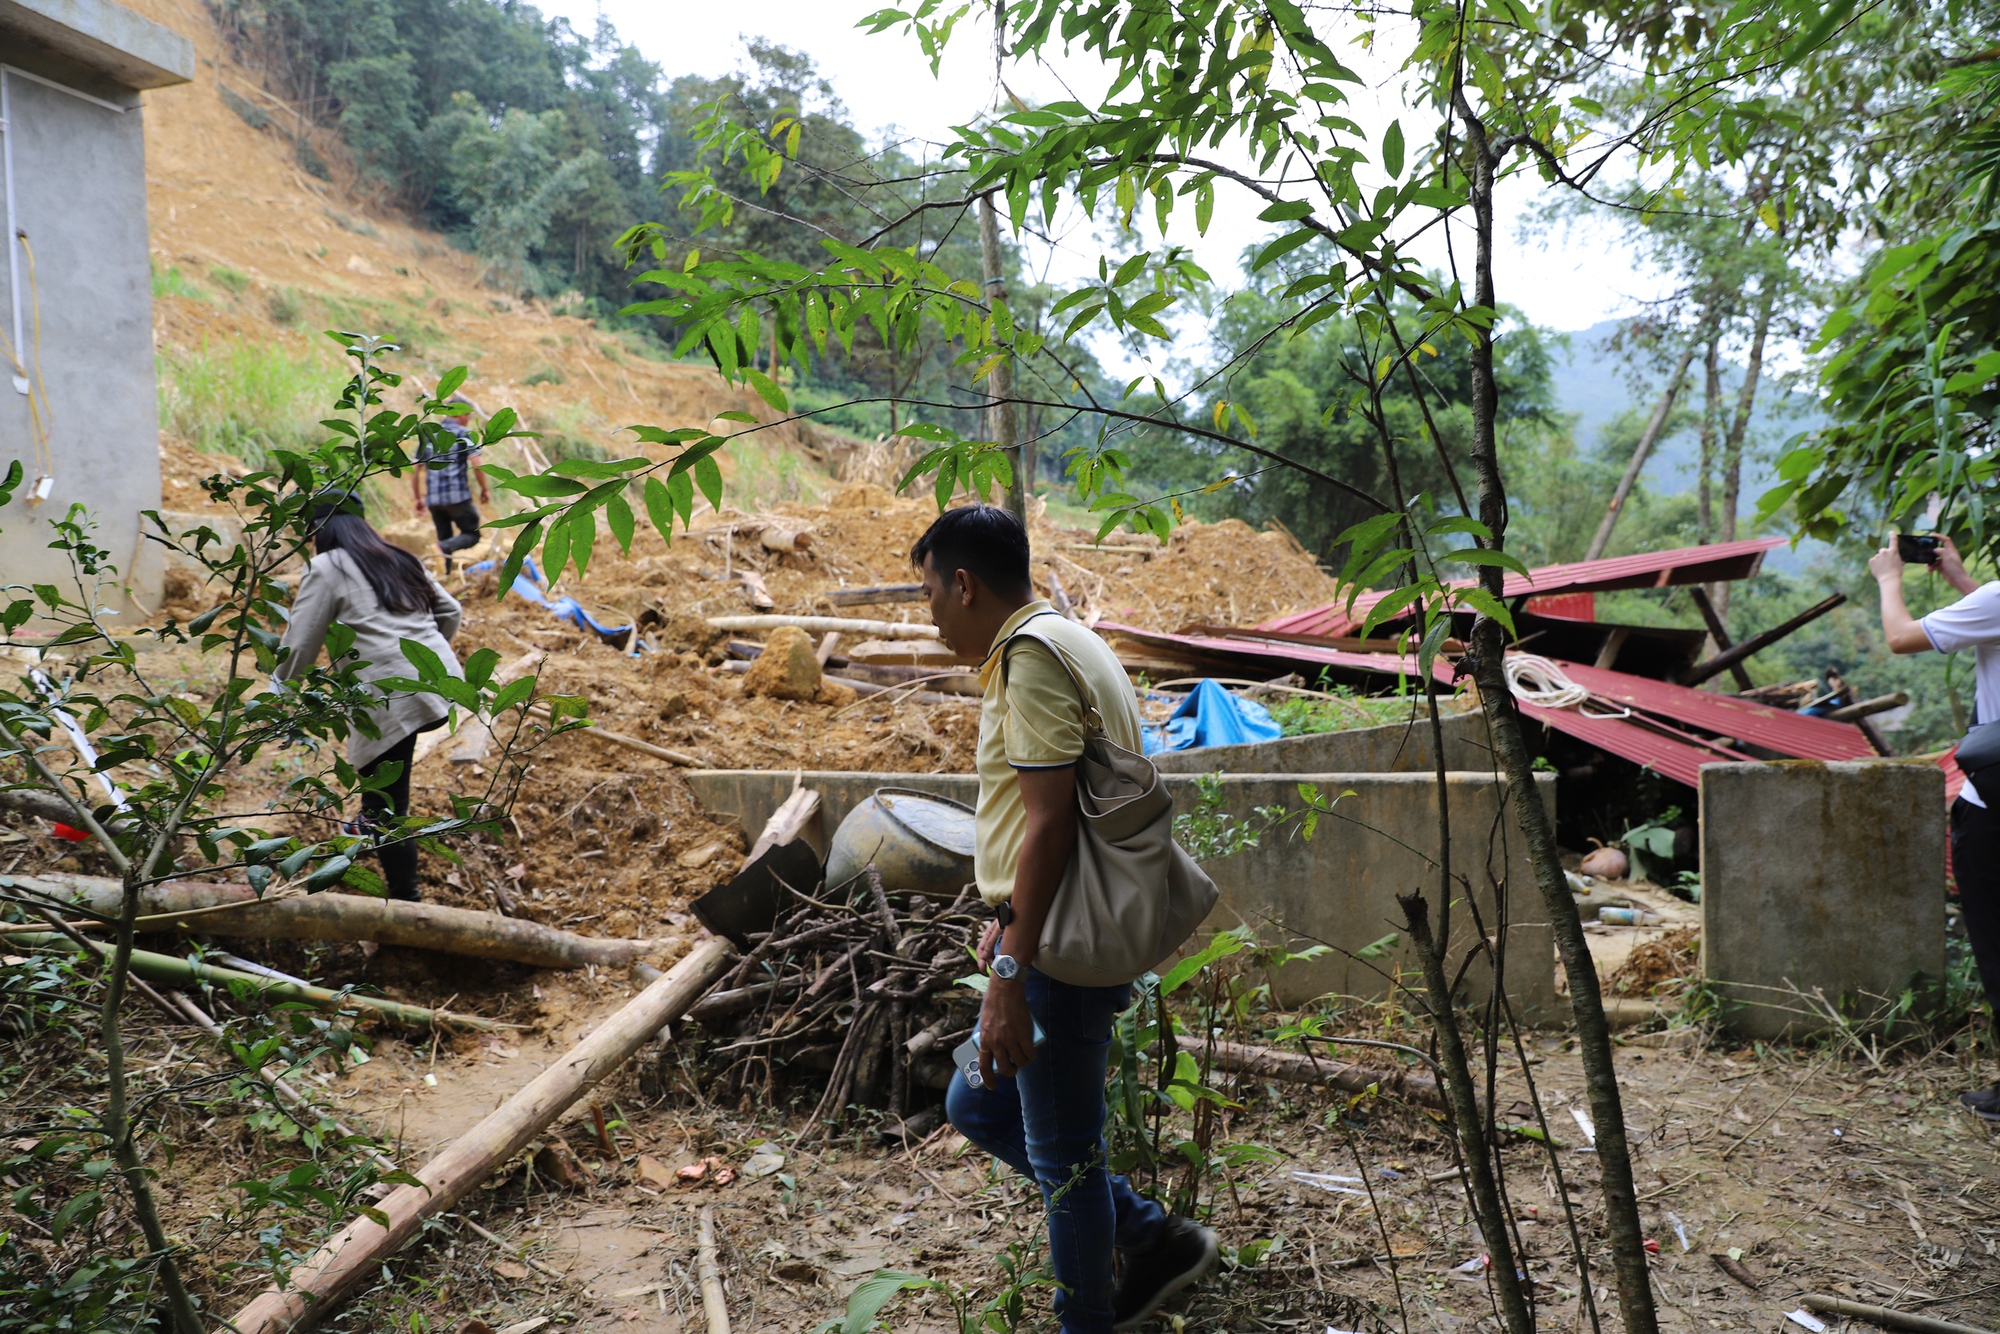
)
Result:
{"points": [[1797, 735], [1650, 569], [1565, 606], [1664, 732]]}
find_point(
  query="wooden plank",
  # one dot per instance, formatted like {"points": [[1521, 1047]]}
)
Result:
{"points": [[1728, 658]]}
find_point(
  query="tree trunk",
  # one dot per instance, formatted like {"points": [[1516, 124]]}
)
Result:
{"points": [[1647, 439], [1628, 1241], [1732, 444], [1704, 485], [118, 1127], [1000, 411]]}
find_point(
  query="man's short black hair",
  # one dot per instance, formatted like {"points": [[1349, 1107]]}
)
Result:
{"points": [[987, 541]]}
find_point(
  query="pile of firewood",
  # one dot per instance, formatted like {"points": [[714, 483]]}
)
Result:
{"points": [[855, 994]]}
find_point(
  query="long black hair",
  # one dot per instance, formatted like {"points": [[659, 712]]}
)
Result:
{"points": [[398, 578]]}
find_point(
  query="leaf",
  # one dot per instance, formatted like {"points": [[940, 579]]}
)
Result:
{"points": [[1392, 149], [1281, 247], [1221, 946], [708, 476], [767, 389], [873, 1293], [1377, 948], [618, 515], [659, 507], [450, 382]]}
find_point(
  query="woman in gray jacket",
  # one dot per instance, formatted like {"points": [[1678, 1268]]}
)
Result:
{"points": [[385, 595]]}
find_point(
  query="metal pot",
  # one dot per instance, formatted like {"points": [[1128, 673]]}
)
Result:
{"points": [[920, 843]]}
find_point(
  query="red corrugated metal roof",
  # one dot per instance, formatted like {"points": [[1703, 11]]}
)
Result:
{"points": [[1648, 569], [1798, 735], [1662, 733]]}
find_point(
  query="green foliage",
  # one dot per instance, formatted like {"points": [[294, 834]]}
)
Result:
{"points": [[236, 282], [1302, 715], [1210, 833], [1651, 845], [246, 399]]}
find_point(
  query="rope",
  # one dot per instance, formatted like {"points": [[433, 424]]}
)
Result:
{"points": [[1538, 681]]}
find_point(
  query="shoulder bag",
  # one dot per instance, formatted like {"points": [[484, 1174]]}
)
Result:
{"points": [[1130, 894]]}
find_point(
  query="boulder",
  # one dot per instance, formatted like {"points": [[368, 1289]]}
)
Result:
{"points": [[788, 668]]}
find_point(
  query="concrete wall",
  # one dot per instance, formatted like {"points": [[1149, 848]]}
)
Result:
{"points": [[1395, 748], [1820, 875], [79, 195], [1338, 889]]}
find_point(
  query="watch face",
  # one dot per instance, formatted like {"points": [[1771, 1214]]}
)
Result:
{"points": [[1004, 967]]}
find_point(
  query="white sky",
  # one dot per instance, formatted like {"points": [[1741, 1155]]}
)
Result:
{"points": [[1581, 277]]}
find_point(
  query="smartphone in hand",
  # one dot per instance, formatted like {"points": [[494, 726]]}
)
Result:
{"points": [[966, 1058]]}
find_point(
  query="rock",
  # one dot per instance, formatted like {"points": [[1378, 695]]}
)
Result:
{"points": [[653, 1172], [1606, 864], [787, 669], [836, 693]]}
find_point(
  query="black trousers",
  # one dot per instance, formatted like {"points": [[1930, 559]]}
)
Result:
{"points": [[1975, 863], [399, 860], [464, 516]]}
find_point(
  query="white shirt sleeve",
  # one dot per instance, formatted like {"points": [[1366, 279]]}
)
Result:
{"points": [[1971, 621]]}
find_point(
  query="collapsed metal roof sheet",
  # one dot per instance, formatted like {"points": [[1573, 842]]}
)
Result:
{"points": [[1716, 562], [1671, 729]]}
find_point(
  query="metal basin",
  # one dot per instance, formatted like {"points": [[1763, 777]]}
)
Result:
{"points": [[921, 843]]}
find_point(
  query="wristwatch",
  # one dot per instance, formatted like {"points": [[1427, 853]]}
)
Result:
{"points": [[1006, 967]]}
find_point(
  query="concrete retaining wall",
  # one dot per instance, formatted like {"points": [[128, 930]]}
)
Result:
{"points": [[1820, 875], [1396, 748], [1338, 889]]}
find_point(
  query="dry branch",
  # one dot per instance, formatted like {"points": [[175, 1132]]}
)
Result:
{"points": [[541, 712], [345, 1263], [714, 1303], [1293, 1068], [1885, 1316]]}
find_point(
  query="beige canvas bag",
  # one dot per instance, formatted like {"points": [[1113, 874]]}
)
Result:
{"points": [[1130, 894]]}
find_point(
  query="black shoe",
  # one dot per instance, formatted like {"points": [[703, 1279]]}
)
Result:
{"points": [[1184, 1252], [1983, 1103]]}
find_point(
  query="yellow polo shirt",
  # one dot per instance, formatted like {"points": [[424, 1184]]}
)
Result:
{"points": [[1031, 718]]}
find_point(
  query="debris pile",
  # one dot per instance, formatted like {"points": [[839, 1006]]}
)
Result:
{"points": [[854, 987]]}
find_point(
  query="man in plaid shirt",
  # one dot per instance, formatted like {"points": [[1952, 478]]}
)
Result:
{"points": [[442, 484]]}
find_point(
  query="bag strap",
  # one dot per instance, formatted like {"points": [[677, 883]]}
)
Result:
{"points": [[1093, 721]]}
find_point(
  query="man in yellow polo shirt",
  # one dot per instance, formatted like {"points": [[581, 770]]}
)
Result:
{"points": [[1044, 1045]]}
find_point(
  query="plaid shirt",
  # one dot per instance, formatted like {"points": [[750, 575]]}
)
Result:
{"points": [[450, 481]]}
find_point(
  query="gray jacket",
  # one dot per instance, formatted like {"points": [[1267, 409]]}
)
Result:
{"points": [[334, 589]]}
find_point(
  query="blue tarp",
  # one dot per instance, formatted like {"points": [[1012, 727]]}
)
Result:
{"points": [[1211, 716], [528, 584]]}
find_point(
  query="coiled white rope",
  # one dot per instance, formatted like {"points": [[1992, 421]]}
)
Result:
{"points": [[1536, 680]]}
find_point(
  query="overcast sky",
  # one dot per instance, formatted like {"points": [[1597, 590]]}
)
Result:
{"points": [[1569, 282]]}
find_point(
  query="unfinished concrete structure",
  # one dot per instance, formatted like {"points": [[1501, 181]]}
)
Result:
{"points": [[80, 410], [1822, 883], [1337, 889], [1393, 748]]}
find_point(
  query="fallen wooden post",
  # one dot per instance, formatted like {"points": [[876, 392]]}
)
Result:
{"points": [[1728, 658], [786, 823], [430, 926], [1867, 708], [104, 896], [1719, 633], [172, 972], [353, 1257], [1886, 1317], [822, 624], [1294, 1068], [859, 597], [714, 1302]]}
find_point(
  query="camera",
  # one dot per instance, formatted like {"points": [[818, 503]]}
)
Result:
{"points": [[1917, 548]]}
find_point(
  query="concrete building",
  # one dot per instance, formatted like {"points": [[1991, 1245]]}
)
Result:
{"points": [[79, 407]]}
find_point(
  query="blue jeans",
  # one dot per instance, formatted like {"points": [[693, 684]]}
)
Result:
{"points": [[1047, 1123]]}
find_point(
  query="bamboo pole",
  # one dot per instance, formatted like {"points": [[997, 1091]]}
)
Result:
{"points": [[820, 625], [172, 972], [714, 1301], [351, 1258], [541, 712], [1886, 1316]]}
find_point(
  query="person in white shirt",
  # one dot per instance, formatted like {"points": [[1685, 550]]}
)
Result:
{"points": [[1972, 622]]}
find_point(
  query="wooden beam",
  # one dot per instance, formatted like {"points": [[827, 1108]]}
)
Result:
{"points": [[1719, 633], [1728, 658], [352, 1258], [1607, 656]]}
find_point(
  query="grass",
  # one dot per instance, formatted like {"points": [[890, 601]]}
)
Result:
{"points": [[245, 399], [236, 282], [1301, 716], [765, 475], [170, 281]]}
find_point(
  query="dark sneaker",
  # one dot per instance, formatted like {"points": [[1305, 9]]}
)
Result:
{"points": [[1184, 1252], [1983, 1103]]}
